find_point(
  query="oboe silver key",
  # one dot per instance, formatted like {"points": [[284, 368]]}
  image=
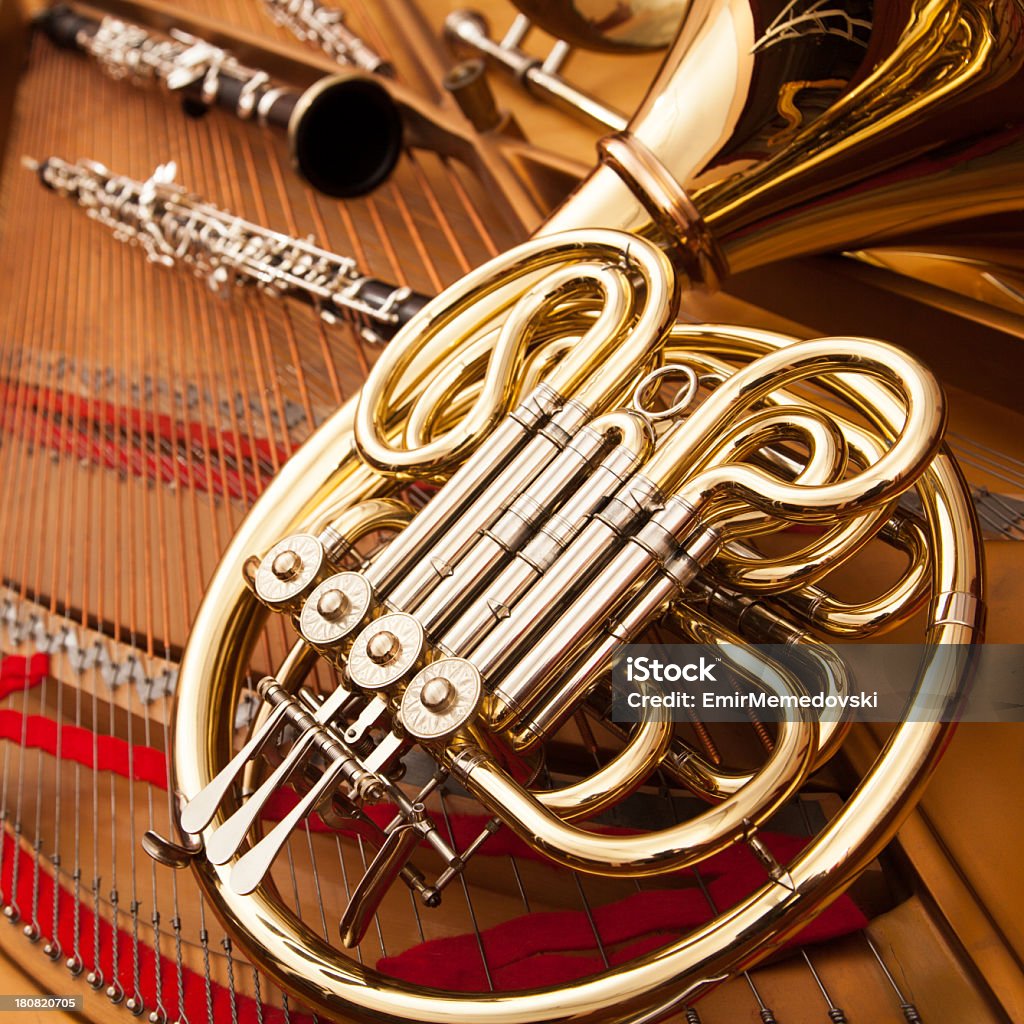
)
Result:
{"points": [[171, 226]]}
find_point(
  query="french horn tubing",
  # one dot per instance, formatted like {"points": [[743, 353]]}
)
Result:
{"points": [[572, 511]]}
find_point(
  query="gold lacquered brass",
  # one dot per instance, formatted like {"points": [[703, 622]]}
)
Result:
{"points": [[565, 331], [608, 24]]}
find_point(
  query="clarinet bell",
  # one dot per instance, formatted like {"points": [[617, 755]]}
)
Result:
{"points": [[345, 135]]}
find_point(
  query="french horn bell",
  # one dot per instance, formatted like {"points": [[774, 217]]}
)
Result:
{"points": [[572, 512]]}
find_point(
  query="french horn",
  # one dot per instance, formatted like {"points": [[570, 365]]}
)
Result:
{"points": [[572, 510]]}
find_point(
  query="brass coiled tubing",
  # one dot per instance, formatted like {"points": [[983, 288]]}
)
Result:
{"points": [[574, 512]]}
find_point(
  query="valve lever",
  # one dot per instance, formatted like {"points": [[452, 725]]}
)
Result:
{"points": [[223, 844], [250, 869], [383, 752], [199, 811], [368, 717]]}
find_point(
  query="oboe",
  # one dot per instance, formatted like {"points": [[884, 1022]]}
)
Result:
{"points": [[325, 27], [171, 226], [344, 132]]}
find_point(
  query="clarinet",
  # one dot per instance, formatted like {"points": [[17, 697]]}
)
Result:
{"points": [[172, 226], [325, 27], [344, 132]]}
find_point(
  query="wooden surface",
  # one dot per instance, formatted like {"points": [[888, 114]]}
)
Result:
{"points": [[22, 976]]}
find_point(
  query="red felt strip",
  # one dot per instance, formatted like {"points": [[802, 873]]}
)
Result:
{"points": [[140, 421], [150, 445], [546, 948], [157, 974], [536, 949], [147, 764], [132, 455], [18, 673], [85, 747]]}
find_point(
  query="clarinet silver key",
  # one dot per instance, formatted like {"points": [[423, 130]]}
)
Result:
{"points": [[318, 122], [172, 226]]}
